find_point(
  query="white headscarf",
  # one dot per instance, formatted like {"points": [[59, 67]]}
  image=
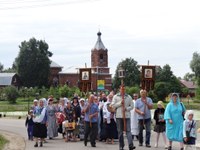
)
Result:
{"points": [[39, 117], [189, 112]]}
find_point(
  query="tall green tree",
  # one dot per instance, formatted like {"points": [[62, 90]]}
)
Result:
{"points": [[132, 73], [33, 63], [165, 74], [195, 66], [161, 90], [189, 77], [169, 80]]}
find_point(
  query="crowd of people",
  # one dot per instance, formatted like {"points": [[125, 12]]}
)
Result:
{"points": [[107, 117]]}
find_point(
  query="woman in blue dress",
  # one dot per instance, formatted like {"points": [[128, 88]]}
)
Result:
{"points": [[174, 120]]}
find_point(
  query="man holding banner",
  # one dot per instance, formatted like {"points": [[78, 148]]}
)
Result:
{"points": [[123, 124]]}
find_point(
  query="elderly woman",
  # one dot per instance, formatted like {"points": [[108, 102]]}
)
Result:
{"points": [[52, 129], [70, 119], [81, 123], [60, 115], [40, 122], [174, 120]]}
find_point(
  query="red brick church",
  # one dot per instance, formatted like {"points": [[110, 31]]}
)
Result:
{"points": [[99, 70]]}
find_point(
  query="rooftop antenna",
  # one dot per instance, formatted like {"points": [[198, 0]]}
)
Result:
{"points": [[85, 65], [148, 63]]}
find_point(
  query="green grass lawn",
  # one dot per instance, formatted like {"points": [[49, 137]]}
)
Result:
{"points": [[21, 105], [3, 141]]}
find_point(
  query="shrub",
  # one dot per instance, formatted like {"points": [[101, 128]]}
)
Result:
{"points": [[132, 90], [64, 91], [54, 91], [43, 92], [11, 93], [74, 90], [197, 94]]}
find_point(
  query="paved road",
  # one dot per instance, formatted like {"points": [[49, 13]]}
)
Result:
{"points": [[17, 126]]}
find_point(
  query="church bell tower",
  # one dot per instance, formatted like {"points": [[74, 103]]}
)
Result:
{"points": [[99, 57]]}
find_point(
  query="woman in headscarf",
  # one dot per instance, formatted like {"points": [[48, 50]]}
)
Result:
{"points": [[60, 115], [69, 124], [52, 129], [160, 123], [77, 109], [40, 123], [81, 122], [174, 120]]}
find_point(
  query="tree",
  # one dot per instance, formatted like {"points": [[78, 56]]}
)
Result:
{"points": [[161, 90], [166, 79], [189, 77], [33, 63], [1, 67], [175, 85], [165, 74], [195, 66], [132, 73]]}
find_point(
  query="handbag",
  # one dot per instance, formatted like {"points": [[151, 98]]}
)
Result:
{"points": [[188, 134]]}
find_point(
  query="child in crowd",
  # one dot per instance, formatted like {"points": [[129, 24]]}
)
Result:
{"points": [[160, 123], [29, 124], [189, 131]]}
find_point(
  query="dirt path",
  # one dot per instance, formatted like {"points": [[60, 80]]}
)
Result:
{"points": [[16, 142]]}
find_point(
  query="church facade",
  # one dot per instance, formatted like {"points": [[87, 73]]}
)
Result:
{"points": [[100, 72]]}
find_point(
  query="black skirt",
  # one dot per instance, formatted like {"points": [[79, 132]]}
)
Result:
{"points": [[159, 128], [111, 130], [39, 130]]}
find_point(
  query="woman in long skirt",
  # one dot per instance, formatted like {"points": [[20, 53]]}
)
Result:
{"points": [[81, 122], [52, 128], [174, 120], [40, 122]]}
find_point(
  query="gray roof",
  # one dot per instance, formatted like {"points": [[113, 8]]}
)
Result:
{"points": [[99, 44], [6, 78], [54, 65]]}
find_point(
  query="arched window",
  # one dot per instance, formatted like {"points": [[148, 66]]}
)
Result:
{"points": [[101, 57]]}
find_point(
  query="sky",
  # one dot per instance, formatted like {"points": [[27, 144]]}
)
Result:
{"points": [[161, 31]]}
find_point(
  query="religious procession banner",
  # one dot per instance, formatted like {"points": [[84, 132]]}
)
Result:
{"points": [[100, 84]]}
